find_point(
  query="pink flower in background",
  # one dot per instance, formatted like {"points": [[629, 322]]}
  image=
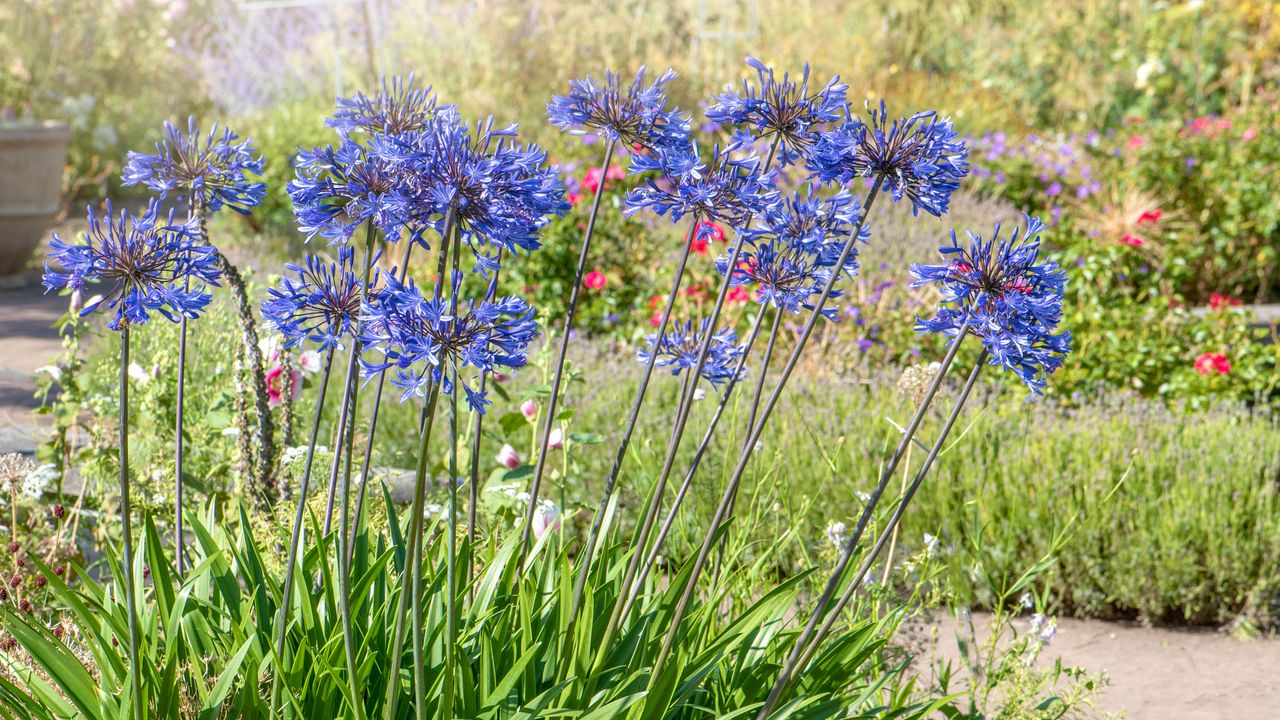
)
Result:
{"points": [[595, 280], [556, 440], [276, 385], [591, 179], [1136, 141], [1132, 240], [508, 457], [1249, 134], [738, 295], [529, 409], [574, 198], [546, 519], [1150, 217], [309, 362], [501, 377], [1213, 364], [1218, 301]]}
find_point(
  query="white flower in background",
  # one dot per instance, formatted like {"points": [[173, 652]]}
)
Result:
{"points": [[546, 519], [1152, 66], [36, 482], [930, 544], [298, 453], [270, 346], [1043, 628], [699, 394], [556, 439], [230, 432], [508, 457], [52, 371], [1026, 601], [529, 409], [139, 374], [862, 496], [309, 362], [837, 534]]}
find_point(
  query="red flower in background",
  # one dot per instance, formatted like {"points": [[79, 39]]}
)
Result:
{"points": [[1150, 217], [591, 180], [699, 245], [595, 280], [1136, 141], [1213, 364], [738, 295], [1218, 300], [575, 198], [1132, 240], [711, 231]]}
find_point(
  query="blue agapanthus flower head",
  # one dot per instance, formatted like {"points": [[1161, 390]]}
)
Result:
{"points": [[338, 189], [214, 167], [1012, 299], [398, 109], [779, 110], [320, 302], [721, 188], [423, 339], [791, 257], [500, 193], [143, 265], [679, 348], [635, 116], [919, 157]]}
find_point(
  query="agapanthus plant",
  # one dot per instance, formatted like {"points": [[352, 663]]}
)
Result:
{"points": [[679, 349], [320, 304], [142, 264], [779, 110], [399, 109], [338, 189], [422, 339], [721, 188], [919, 157], [1009, 297], [635, 116], [214, 167]]}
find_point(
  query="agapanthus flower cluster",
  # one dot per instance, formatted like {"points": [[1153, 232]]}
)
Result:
{"points": [[635, 116], [215, 167], [321, 303], [422, 338], [399, 109], [501, 194], [781, 111], [143, 264], [919, 157], [1012, 300], [792, 257], [679, 348], [725, 189], [338, 189]]}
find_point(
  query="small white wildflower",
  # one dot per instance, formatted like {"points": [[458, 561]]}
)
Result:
{"points": [[36, 482], [930, 544], [862, 496], [837, 534], [309, 362], [699, 394], [139, 374], [230, 432], [52, 371]]}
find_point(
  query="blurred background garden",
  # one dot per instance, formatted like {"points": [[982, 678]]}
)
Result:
{"points": [[1142, 486]]}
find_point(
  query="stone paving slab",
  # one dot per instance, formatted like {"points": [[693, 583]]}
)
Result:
{"points": [[28, 341]]}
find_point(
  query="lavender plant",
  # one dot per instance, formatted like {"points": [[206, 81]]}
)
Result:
{"points": [[213, 172], [146, 266]]}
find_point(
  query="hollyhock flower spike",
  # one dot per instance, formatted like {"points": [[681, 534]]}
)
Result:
{"points": [[215, 166], [721, 189], [399, 109], [635, 116], [782, 110], [1012, 300], [681, 345], [320, 304], [144, 264], [420, 338], [919, 157], [338, 189]]}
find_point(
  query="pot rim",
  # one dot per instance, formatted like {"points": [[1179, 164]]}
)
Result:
{"points": [[34, 130]]}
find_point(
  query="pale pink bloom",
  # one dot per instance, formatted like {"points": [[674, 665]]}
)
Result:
{"points": [[309, 362], [529, 409], [508, 457], [556, 440], [546, 519]]}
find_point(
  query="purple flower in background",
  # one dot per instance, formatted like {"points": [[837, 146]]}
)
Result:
{"points": [[400, 108], [320, 304], [723, 189], [635, 116], [422, 339], [782, 111], [214, 167], [681, 345], [143, 265], [919, 157], [1012, 300]]}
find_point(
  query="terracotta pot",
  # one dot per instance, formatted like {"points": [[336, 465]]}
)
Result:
{"points": [[32, 157]]}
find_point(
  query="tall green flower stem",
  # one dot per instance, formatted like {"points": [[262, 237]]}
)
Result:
{"points": [[295, 540], [343, 447], [536, 484], [195, 211], [744, 458], [681, 419], [451, 602], [411, 592], [139, 702], [807, 647], [611, 481], [678, 501]]}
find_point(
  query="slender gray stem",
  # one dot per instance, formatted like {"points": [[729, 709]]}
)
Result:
{"points": [[667, 524], [451, 602], [731, 488], [126, 528], [473, 483], [536, 484], [295, 540], [868, 510], [195, 212], [787, 673], [754, 407]]}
